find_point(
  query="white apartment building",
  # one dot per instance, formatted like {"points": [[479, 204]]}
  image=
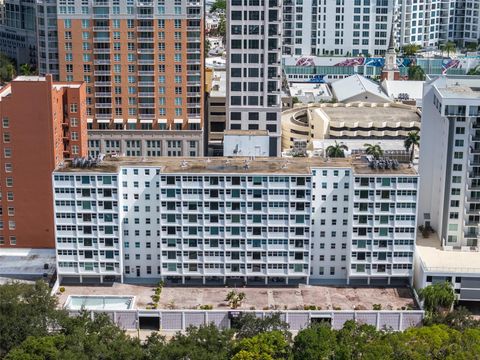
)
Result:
{"points": [[337, 27], [353, 27], [254, 48], [450, 184], [210, 220]]}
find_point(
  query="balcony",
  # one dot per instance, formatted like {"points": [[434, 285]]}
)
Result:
{"points": [[103, 94], [101, 62], [101, 51], [103, 105], [102, 83]]}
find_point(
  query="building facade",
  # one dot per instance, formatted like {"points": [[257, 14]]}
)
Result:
{"points": [[47, 38], [142, 62], [343, 27], [43, 123], [211, 220], [18, 31], [450, 177], [254, 48]]}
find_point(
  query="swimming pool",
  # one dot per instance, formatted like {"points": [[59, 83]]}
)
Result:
{"points": [[99, 302]]}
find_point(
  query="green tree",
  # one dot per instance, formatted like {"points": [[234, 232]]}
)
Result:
{"points": [[208, 46], [235, 298], [410, 49], [472, 46], [7, 69], [337, 150], [218, 5], [222, 27], [38, 348], [474, 71], [199, 343], [270, 345], [416, 73], [437, 297], [26, 70], [99, 338], [26, 310], [248, 325], [374, 150], [412, 141], [460, 319], [448, 47], [353, 338], [315, 342]]}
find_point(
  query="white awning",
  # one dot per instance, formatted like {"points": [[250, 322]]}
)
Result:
{"points": [[162, 121], [89, 120], [178, 121], [118, 121], [132, 121], [103, 121], [194, 121], [146, 121]]}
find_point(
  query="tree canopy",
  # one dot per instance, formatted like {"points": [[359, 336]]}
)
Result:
{"points": [[375, 150], [410, 49], [337, 150], [218, 5], [7, 69], [416, 73], [31, 328]]}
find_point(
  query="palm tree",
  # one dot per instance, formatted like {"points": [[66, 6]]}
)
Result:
{"points": [[415, 72], [26, 69], [449, 47], [374, 150], [472, 46], [410, 49], [7, 69], [412, 140], [337, 150], [437, 297]]}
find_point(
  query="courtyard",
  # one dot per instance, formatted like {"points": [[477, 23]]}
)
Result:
{"points": [[256, 298]]}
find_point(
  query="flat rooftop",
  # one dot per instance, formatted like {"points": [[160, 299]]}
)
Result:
{"points": [[26, 263], [219, 84], [291, 298], [237, 165], [435, 259], [458, 86], [310, 90], [375, 114]]}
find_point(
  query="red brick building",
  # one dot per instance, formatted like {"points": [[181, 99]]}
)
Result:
{"points": [[42, 123]]}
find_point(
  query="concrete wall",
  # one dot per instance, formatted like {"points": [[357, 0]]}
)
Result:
{"points": [[175, 320]]}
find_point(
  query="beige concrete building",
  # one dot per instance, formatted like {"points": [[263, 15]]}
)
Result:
{"points": [[348, 121], [216, 111]]}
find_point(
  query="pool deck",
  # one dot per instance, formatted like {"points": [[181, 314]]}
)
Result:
{"points": [[291, 298]]}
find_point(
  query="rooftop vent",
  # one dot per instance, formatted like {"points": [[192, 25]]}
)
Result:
{"points": [[383, 163], [87, 162]]}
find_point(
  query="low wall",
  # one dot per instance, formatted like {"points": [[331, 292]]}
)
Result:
{"points": [[176, 320]]}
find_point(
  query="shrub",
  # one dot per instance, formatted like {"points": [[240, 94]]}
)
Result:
{"points": [[155, 298], [206, 307], [61, 289], [377, 307]]}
